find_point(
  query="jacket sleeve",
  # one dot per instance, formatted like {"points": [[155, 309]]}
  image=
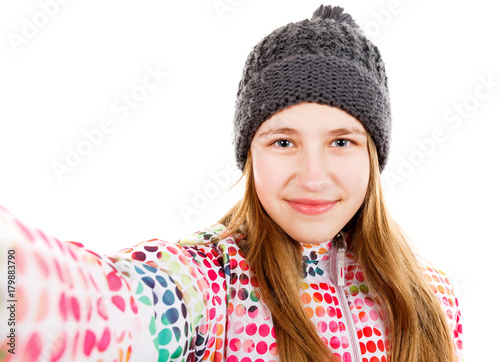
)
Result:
{"points": [[445, 293], [151, 302]]}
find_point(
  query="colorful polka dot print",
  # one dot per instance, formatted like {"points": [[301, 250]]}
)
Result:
{"points": [[183, 301]]}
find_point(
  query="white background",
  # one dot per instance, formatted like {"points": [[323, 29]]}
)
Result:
{"points": [[77, 60]]}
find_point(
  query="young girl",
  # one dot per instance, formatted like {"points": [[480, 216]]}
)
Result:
{"points": [[307, 266]]}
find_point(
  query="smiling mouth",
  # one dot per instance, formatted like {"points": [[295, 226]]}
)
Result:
{"points": [[311, 207]]}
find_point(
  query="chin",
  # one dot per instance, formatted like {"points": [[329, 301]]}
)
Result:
{"points": [[308, 237]]}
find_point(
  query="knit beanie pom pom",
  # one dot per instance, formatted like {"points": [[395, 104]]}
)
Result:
{"points": [[335, 13]]}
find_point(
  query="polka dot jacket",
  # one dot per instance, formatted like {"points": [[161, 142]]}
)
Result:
{"points": [[184, 301]]}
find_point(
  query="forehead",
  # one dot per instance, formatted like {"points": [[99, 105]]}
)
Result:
{"points": [[311, 118]]}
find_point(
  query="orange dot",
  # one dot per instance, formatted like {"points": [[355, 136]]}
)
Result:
{"points": [[309, 312], [306, 298], [320, 311]]}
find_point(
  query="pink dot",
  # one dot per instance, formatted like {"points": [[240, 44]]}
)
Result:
{"points": [[333, 326], [251, 329], [261, 347], [358, 303], [105, 339], [75, 306], [345, 342], [33, 348], [119, 302], [212, 274], [273, 349], [335, 342], [133, 306], [114, 281], [234, 345], [89, 342], [264, 330], [322, 326], [62, 306], [248, 346], [101, 309], [215, 287], [373, 315], [355, 318], [346, 357], [232, 359]]}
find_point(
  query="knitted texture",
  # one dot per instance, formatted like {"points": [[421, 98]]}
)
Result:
{"points": [[325, 60]]}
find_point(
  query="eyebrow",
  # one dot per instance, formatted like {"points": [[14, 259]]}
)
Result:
{"points": [[334, 132]]}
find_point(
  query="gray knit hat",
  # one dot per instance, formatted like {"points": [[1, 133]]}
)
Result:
{"points": [[326, 60]]}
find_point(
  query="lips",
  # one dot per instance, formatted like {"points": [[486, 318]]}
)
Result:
{"points": [[311, 201], [311, 206]]}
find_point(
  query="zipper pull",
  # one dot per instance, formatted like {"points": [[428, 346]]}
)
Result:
{"points": [[340, 245]]}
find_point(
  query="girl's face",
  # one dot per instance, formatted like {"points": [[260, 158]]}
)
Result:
{"points": [[308, 154]]}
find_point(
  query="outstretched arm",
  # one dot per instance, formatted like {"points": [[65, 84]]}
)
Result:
{"points": [[71, 303]]}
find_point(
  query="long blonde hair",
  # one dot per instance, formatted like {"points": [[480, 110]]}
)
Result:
{"points": [[418, 329]]}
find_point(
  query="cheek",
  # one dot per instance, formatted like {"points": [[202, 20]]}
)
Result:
{"points": [[354, 177], [267, 178]]}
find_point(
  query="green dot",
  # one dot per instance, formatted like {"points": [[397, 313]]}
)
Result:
{"points": [[163, 355], [254, 297], [192, 291], [363, 288], [198, 308], [196, 319], [145, 300], [165, 336], [152, 326], [174, 266], [354, 290], [177, 352], [164, 256], [185, 279], [140, 288]]}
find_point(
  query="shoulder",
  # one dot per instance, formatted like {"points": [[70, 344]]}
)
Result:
{"points": [[436, 278], [444, 291], [212, 243]]}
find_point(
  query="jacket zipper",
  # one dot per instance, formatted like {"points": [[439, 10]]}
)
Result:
{"points": [[338, 275]]}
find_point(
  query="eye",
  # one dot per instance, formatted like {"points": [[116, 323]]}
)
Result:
{"points": [[285, 143], [344, 141], [281, 143]]}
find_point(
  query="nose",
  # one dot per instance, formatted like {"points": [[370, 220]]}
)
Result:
{"points": [[312, 171]]}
